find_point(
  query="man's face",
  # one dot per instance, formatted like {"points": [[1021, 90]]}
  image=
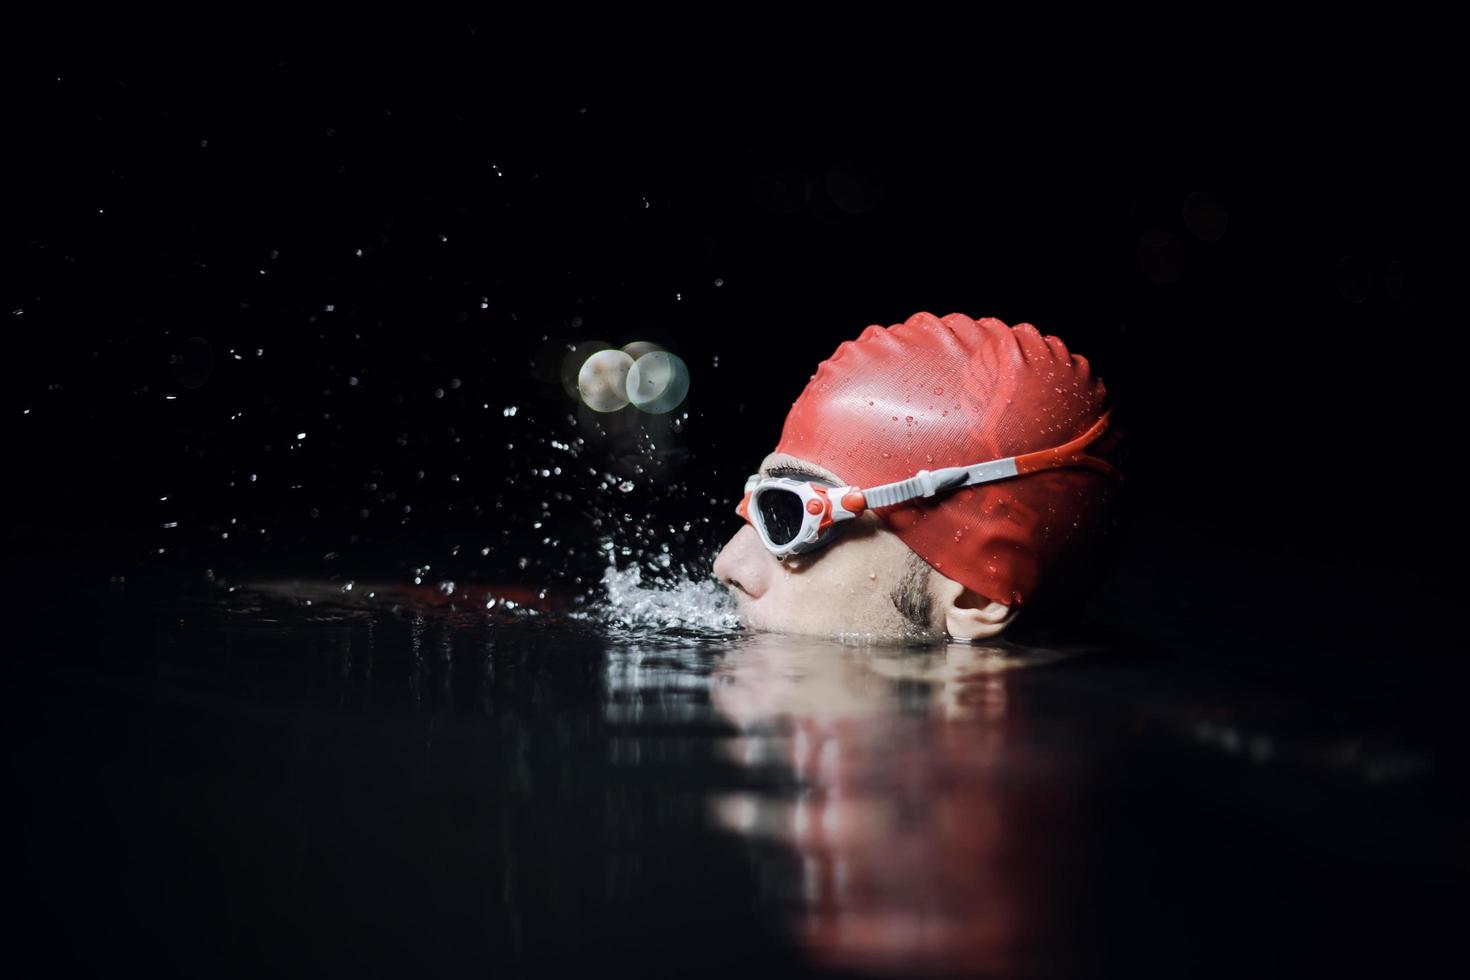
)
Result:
{"points": [[866, 581]]}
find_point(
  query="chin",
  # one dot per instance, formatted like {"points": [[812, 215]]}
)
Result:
{"points": [[753, 617], [760, 624], [847, 635]]}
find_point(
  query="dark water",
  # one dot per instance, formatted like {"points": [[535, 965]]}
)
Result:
{"points": [[217, 781]]}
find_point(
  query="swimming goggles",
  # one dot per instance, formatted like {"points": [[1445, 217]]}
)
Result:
{"points": [[795, 516]]}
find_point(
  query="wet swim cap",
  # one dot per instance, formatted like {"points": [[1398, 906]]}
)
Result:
{"points": [[932, 392]]}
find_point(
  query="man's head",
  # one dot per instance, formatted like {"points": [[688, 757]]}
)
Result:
{"points": [[927, 394]]}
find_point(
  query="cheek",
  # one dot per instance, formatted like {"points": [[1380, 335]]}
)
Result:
{"points": [[789, 602], [846, 590]]}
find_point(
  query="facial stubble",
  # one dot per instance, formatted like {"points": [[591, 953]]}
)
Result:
{"points": [[911, 596]]}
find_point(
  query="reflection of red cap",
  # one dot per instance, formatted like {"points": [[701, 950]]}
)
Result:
{"points": [[931, 392]]}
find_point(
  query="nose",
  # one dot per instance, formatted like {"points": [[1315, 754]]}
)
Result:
{"points": [[744, 563]]}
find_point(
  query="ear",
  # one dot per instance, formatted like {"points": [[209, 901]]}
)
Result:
{"points": [[968, 616]]}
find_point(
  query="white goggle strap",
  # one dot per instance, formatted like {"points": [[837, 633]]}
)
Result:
{"points": [[926, 483]]}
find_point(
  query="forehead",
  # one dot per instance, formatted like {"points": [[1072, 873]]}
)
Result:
{"points": [[785, 461]]}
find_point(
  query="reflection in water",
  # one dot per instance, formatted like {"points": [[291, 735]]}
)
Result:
{"points": [[928, 824], [405, 781]]}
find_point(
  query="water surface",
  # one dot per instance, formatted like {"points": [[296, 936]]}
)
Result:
{"points": [[282, 776]]}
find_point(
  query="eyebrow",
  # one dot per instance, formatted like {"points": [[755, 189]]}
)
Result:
{"points": [[797, 473]]}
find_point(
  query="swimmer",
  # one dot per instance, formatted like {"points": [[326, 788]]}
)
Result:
{"points": [[939, 479]]}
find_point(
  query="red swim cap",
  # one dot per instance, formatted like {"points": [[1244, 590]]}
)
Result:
{"points": [[931, 392]]}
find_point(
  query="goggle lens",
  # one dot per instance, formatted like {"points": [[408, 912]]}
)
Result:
{"points": [[781, 513]]}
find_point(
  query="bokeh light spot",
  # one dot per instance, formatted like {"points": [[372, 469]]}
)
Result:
{"points": [[572, 363], [638, 348], [658, 382], [602, 382]]}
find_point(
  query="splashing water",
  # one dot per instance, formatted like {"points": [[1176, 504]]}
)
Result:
{"points": [[684, 604]]}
